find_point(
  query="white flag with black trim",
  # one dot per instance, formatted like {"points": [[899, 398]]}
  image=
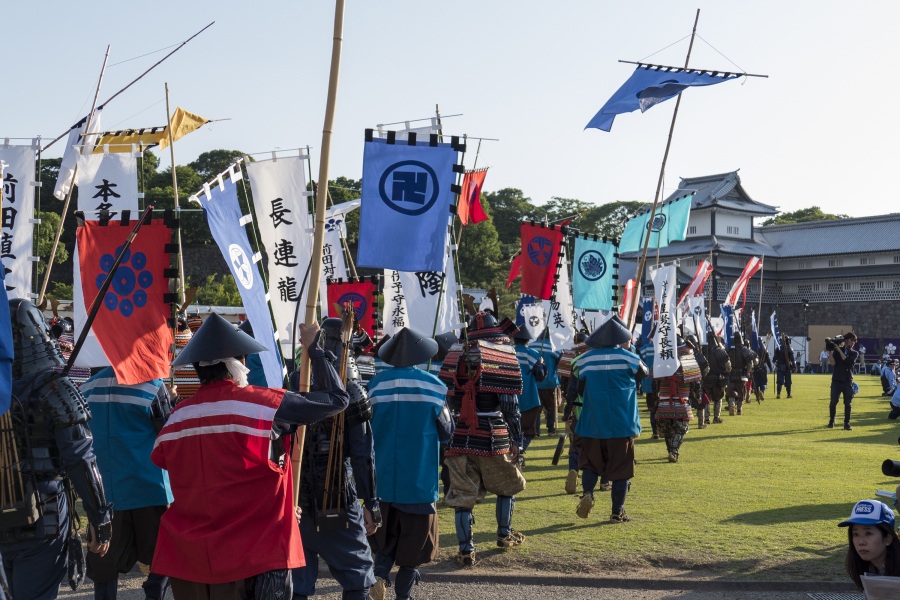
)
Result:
{"points": [[106, 182], [395, 316], [17, 222], [665, 341], [559, 311]]}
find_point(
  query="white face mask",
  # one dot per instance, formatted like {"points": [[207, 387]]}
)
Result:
{"points": [[236, 369]]}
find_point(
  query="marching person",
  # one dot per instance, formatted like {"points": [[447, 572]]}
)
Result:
{"points": [[715, 380], [784, 367], [548, 388], [742, 362], [232, 530], [673, 412], [533, 371], [338, 470], [482, 454], [126, 420], [842, 378], [604, 378], [409, 421], [54, 452]]}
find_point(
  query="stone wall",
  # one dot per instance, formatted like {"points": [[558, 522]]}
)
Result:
{"points": [[202, 261]]}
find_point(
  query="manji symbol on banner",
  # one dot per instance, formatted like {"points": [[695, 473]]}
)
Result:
{"points": [[131, 324]]}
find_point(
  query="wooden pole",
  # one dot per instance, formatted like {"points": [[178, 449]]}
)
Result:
{"points": [[175, 193], [319, 235], [65, 208], [662, 172]]}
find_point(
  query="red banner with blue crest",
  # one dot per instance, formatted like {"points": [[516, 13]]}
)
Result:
{"points": [[540, 259]]}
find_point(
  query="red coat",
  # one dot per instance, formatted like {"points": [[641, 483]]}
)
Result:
{"points": [[233, 516]]}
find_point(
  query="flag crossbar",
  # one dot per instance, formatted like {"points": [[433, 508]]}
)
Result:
{"points": [[713, 72]]}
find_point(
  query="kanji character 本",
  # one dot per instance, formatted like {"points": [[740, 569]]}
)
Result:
{"points": [[430, 282], [105, 191], [284, 253], [9, 188], [278, 212], [8, 219], [287, 289]]}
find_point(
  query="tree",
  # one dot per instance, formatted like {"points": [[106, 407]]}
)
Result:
{"points": [[214, 292], [507, 208], [481, 261], [44, 235], [804, 215], [209, 164]]}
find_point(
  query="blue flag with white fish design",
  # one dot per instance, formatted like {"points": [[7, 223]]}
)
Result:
{"points": [[773, 321], [754, 333], [649, 86], [223, 213], [646, 322], [593, 269], [728, 330], [406, 200]]}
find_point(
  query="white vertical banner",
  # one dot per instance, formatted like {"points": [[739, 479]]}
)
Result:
{"points": [[106, 182], [559, 312], [91, 354], [280, 207], [665, 342], [65, 177], [394, 315], [595, 318], [17, 222], [698, 312], [423, 290], [334, 265]]}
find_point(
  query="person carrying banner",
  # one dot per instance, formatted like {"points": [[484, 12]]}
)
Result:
{"points": [[572, 410], [483, 379], [548, 388], [842, 377], [410, 421], [742, 362], [53, 453], [533, 371], [716, 379], [784, 367], [231, 530], [647, 353], [604, 378], [126, 421], [339, 469]]}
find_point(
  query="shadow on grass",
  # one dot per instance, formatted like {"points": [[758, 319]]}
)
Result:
{"points": [[798, 513]]}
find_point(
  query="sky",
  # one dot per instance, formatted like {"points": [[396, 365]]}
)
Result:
{"points": [[530, 74]]}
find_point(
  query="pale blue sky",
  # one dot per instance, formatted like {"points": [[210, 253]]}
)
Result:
{"points": [[529, 73]]}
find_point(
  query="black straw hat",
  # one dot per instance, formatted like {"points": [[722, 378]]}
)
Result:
{"points": [[407, 347], [611, 333], [216, 339]]}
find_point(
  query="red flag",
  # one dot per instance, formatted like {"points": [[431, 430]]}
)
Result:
{"points": [[740, 286], [132, 323], [361, 294], [540, 259], [704, 270], [625, 309], [515, 269], [469, 208]]}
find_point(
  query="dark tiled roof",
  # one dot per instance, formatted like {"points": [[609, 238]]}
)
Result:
{"points": [[838, 236], [703, 245], [723, 190], [859, 272]]}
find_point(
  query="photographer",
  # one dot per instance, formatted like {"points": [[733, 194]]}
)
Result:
{"points": [[842, 378]]}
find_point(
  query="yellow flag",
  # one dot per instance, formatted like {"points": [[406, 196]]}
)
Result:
{"points": [[182, 123]]}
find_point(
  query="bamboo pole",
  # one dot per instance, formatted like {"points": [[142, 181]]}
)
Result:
{"points": [[65, 207], [662, 172], [319, 235], [175, 194]]}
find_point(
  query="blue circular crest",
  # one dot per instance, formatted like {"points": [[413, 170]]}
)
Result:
{"points": [[659, 221], [126, 291], [409, 187], [540, 250], [592, 265], [359, 303]]}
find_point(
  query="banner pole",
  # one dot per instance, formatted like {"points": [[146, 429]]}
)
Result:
{"points": [[319, 235], [65, 207], [175, 192], [662, 172]]}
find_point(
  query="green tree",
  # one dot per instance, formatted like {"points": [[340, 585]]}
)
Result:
{"points": [[481, 261], [62, 291], [507, 208], [218, 292], [804, 215], [209, 164], [45, 234]]}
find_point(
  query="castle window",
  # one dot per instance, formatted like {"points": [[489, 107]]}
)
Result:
{"points": [[836, 262], [692, 230], [733, 229], [806, 264], [867, 260]]}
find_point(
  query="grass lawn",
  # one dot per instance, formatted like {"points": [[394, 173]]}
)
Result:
{"points": [[757, 497]]}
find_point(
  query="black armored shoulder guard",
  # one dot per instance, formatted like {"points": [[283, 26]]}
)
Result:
{"points": [[64, 402], [359, 410]]}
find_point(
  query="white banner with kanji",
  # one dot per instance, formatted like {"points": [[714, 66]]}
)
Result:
{"points": [[280, 205], [17, 222], [559, 311], [334, 264], [665, 341], [394, 315], [106, 182]]}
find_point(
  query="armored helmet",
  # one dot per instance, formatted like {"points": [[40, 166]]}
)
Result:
{"points": [[35, 348]]}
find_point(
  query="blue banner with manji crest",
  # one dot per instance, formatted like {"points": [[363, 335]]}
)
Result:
{"points": [[593, 268], [407, 193], [223, 213]]}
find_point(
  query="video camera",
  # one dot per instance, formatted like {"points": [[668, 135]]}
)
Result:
{"points": [[889, 468], [834, 342]]}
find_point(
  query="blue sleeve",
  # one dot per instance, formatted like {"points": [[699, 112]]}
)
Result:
{"points": [[361, 448]]}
